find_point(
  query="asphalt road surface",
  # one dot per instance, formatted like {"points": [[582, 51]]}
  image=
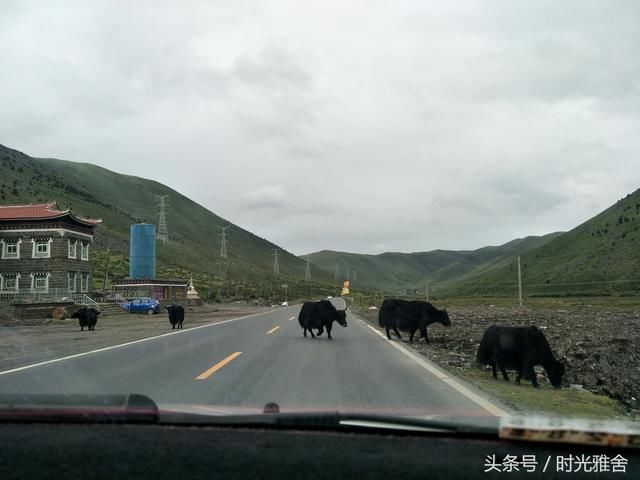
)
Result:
{"points": [[253, 360]]}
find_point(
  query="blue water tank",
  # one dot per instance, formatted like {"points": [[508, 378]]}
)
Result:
{"points": [[142, 251]]}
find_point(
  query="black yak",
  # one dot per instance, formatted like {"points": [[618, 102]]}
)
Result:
{"points": [[87, 317], [176, 315], [410, 316], [520, 349], [320, 315]]}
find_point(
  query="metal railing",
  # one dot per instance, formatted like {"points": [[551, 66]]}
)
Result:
{"points": [[120, 300], [51, 295], [82, 299]]}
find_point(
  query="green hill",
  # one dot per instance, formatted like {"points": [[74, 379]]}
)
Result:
{"points": [[121, 200], [601, 256], [409, 271], [598, 257]]}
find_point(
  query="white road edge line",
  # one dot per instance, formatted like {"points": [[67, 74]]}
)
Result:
{"points": [[46, 362], [490, 407]]}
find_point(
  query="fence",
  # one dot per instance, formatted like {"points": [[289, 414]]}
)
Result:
{"points": [[52, 295]]}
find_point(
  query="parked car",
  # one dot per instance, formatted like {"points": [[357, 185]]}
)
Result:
{"points": [[142, 305]]}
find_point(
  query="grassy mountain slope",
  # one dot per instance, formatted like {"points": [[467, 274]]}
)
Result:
{"points": [[411, 270], [121, 200], [599, 256]]}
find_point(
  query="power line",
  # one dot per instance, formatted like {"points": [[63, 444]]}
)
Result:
{"points": [[163, 233]]}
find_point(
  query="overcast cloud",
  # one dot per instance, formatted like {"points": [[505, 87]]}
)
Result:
{"points": [[359, 126]]}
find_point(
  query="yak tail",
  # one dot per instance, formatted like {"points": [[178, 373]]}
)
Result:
{"points": [[484, 350]]}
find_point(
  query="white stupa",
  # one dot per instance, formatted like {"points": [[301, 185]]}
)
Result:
{"points": [[192, 293]]}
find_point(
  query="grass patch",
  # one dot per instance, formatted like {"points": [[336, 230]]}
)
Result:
{"points": [[564, 402]]}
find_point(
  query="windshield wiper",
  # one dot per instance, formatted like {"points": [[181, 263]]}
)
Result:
{"points": [[341, 421], [77, 408], [136, 408]]}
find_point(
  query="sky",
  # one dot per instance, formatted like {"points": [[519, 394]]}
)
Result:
{"points": [[361, 126]]}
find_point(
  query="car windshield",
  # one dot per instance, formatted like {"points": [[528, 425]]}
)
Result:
{"points": [[413, 209]]}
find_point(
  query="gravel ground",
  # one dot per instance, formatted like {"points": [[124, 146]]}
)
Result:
{"points": [[23, 342], [601, 349]]}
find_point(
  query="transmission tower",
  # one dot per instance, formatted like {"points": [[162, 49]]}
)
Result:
{"points": [[307, 273], [224, 257], [163, 233], [336, 276], [276, 265], [223, 242]]}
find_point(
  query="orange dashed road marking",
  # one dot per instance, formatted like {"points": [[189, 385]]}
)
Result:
{"points": [[206, 374]]}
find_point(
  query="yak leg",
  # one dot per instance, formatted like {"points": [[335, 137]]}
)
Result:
{"points": [[504, 373], [528, 369], [425, 334], [412, 332], [304, 332], [320, 331], [494, 371], [388, 335], [500, 365], [395, 329], [329, 332]]}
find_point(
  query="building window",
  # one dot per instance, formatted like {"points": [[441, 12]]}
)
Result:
{"points": [[84, 282], [9, 282], [71, 282], [41, 247], [11, 248], [84, 251], [73, 248], [40, 282]]}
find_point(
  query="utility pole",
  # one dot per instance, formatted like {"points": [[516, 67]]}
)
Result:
{"points": [[163, 233], [336, 275], [276, 265], [307, 273], [106, 270], [354, 275], [519, 282], [426, 289]]}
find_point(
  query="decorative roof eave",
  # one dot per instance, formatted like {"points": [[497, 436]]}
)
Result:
{"points": [[46, 212]]}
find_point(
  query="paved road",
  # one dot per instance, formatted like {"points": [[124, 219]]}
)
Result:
{"points": [[250, 361]]}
